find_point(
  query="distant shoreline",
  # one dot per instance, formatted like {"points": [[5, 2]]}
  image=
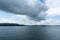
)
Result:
{"points": [[11, 24]]}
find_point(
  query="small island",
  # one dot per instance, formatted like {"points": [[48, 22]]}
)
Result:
{"points": [[11, 24]]}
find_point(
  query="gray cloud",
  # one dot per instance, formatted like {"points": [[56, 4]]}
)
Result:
{"points": [[33, 8]]}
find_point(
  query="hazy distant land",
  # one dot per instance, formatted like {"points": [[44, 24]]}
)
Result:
{"points": [[11, 24]]}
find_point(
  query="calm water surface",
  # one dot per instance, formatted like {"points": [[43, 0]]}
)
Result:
{"points": [[40, 32]]}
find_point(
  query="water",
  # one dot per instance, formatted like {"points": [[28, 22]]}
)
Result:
{"points": [[41, 32]]}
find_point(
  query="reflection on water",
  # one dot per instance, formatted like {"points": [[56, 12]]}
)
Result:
{"points": [[30, 32]]}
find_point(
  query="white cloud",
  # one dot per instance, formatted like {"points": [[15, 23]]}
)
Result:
{"points": [[53, 11], [54, 7], [4, 20], [53, 3], [50, 22]]}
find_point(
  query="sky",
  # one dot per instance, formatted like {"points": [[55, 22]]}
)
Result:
{"points": [[52, 18]]}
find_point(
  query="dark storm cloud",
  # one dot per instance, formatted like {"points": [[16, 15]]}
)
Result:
{"points": [[32, 8]]}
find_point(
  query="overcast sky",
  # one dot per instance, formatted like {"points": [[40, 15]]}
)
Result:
{"points": [[53, 15]]}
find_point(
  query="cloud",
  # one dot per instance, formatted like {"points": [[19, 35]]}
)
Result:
{"points": [[50, 22], [32, 8], [32, 22], [53, 3], [5, 20], [6, 17], [54, 11], [23, 19]]}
